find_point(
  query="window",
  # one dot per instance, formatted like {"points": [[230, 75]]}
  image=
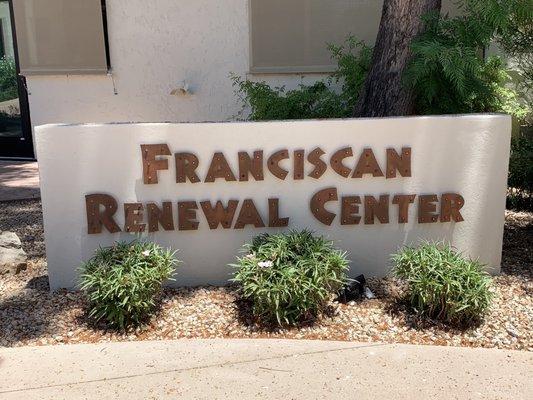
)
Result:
{"points": [[61, 36], [292, 35]]}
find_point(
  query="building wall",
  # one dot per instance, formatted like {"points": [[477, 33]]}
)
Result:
{"points": [[155, 47]]}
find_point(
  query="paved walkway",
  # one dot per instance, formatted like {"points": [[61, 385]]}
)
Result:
{"points": [[263, 369], [19, 180]]}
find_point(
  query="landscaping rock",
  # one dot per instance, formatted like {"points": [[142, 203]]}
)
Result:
{"points": [[10, 240], [12, 258]]}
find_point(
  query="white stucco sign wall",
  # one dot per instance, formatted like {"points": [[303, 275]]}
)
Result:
{"points": [[370, 185]]}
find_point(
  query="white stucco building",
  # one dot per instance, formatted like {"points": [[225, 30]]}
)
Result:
{"points": [[120, 60]]}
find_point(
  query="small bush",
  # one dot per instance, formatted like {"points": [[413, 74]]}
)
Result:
{"points": [[443, 285], [306, 102], [319, 100], [520, 194], [354, 59], [289, 277], [122, 282]]}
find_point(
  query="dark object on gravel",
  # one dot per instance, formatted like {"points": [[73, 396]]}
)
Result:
{"points": [[353, 290]]}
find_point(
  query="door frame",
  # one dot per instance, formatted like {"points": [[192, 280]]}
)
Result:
{"points": [[19, 147]]}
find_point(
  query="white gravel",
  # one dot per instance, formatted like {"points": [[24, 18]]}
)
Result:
{"points": [[31, 315]]}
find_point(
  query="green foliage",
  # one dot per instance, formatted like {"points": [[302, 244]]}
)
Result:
{"points": [[8, 79], [122, 282], [443, 285], [353, 60], [517, 43], [449, 73], [520, 181], [266, 103], [517, 37], [310, 101], [289, 277]]}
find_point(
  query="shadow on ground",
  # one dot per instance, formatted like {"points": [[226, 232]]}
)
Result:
{"points": [[19, 180], [246, 317], [24, 317], [26, 220], [39, 283], [517, 256], [401, 309]]}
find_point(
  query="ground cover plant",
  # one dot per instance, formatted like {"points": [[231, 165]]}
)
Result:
{"points": [[442, 284], [289, 277], [121, 283]]}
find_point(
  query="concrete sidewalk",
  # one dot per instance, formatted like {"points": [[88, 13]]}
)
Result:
{"points": [[19, 180], [263, 369]]}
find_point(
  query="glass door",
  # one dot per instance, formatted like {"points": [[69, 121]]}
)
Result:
{"points": [[15, 127]]}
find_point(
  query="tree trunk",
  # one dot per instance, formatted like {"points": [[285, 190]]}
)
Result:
{"points": [[384, 93]]}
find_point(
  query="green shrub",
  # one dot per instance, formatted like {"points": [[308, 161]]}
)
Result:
{"points": [[8, 79], [122, 282], [289, 277], [353, 60], [310, 101], [306, 102], [520, 195], [442, 284]]}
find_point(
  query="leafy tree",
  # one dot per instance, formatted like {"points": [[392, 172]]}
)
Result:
{"points": [[384, 93], [444, 71], [449, 72]]}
